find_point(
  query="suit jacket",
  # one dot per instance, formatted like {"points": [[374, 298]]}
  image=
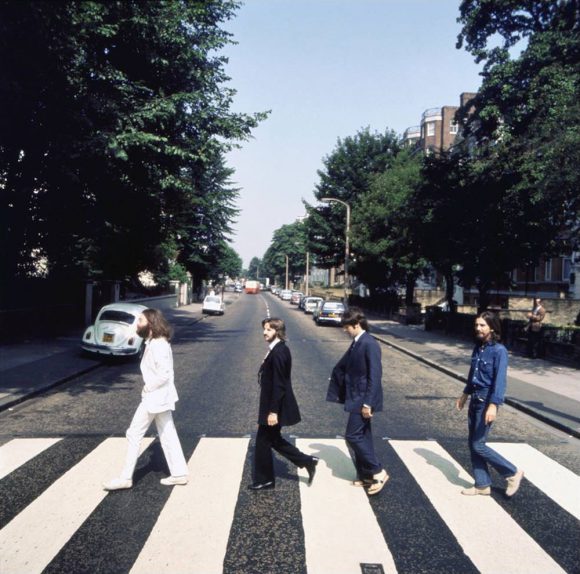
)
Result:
{"points": [[276, 394], [159, 393], [356, 380]]}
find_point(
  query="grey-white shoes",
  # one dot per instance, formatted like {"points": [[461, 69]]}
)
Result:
{"points": [[117, 484], [475, 490], [513, 483], [174, 480]]}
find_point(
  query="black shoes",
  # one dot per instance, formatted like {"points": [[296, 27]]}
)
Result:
{"points": [[262, 485], [311, 469]]}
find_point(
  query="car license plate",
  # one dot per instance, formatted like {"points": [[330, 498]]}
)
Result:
{"points": [[331, 315], [108, 338]]}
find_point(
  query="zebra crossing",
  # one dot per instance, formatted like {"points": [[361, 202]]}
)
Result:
{"points": [[419, 523]]}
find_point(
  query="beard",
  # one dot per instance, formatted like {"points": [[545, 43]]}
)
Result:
{"points": [[143, 332]]}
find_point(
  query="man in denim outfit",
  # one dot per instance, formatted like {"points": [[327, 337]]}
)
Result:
{"points": [[486, 384]]}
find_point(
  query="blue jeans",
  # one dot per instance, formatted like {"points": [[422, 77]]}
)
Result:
{"points": [[481, 454]]}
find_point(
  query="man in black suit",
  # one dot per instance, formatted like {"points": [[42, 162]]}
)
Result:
{"points": [[278, 408], [357, 382]]}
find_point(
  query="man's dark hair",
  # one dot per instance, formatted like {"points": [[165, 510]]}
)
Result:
{"points": [[278, 325], [354, 316], [158, 324], [493, 322]]}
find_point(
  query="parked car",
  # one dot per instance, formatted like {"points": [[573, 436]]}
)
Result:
{"points": [[285, 294], [114, 331], [213, 305], [329, 312], [238, 288], [296, 297], [309, 304]]}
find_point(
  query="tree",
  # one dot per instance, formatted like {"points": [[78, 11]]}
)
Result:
{"points": [[347, 175], [288, 241], [229, 263], [116, 117], [387, 252], [525, 121], [254, 268]]}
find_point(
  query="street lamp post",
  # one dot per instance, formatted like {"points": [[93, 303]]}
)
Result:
{"points": [[286, 272], [346, 242]]}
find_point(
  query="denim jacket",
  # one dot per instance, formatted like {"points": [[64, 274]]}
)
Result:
{"points": [[488, 373]]}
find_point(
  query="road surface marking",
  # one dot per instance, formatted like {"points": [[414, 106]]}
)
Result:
{"points": [[192, 531], [19, 451], [556, 481], [340, 528], [491, 539], [33, 538]]}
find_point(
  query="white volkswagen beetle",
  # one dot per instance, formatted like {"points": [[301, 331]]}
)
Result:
{"points": [[115, 331]]}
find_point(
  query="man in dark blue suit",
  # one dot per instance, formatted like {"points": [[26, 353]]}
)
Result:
{"points": [[278, 408], [357, 382]]}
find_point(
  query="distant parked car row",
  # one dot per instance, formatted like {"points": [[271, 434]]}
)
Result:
{"points": [[323, 312]]}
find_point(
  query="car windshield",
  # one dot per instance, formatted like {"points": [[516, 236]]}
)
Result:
{"points": [[117, 316], [334, 306], [212, 299]]}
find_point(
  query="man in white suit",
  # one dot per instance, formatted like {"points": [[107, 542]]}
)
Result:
{"points": [[158, 399]]}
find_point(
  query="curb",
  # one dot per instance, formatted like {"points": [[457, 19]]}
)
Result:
{"points": [[11, 402], [514, 403]]}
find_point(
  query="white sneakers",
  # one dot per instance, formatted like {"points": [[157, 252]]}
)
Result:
{"points": [[121, 483], [513, 483], [117, 484], [173, 480]]}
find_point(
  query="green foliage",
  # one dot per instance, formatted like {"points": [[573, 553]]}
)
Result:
{"points": [[347, 175], [229, 263], [383, 230], [116, 117], [254, 268], [526, 121], [287, 241]]}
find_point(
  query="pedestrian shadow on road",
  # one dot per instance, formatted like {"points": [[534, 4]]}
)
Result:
{"points": [[448, 469], [339, 463]]}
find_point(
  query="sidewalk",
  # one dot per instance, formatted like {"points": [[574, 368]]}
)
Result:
{"points": [[547, 391], [544, 390], [32, 367]]}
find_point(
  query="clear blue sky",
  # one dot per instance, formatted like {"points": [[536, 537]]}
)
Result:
{"points": [[326, 69]]}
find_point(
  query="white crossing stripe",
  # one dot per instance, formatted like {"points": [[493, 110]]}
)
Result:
{"points": [[555, 480], [19, 451], [192, 531], [492, 540], [33, 538], [340, 529]]}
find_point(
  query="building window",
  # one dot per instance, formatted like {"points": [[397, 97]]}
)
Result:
{"points": [[536, 274], [453, 127], [430, 129], [548, 270], [566, 268]]}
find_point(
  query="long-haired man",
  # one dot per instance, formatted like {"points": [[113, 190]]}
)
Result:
{"points": [[158, 398]]}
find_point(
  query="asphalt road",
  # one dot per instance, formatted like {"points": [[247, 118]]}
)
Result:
{"points": [[216, 361]]}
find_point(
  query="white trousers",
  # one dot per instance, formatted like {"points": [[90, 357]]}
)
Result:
{"points": [[170, 444]]}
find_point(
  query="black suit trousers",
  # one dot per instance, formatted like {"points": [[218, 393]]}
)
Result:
{"points": [[268, 438]]}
